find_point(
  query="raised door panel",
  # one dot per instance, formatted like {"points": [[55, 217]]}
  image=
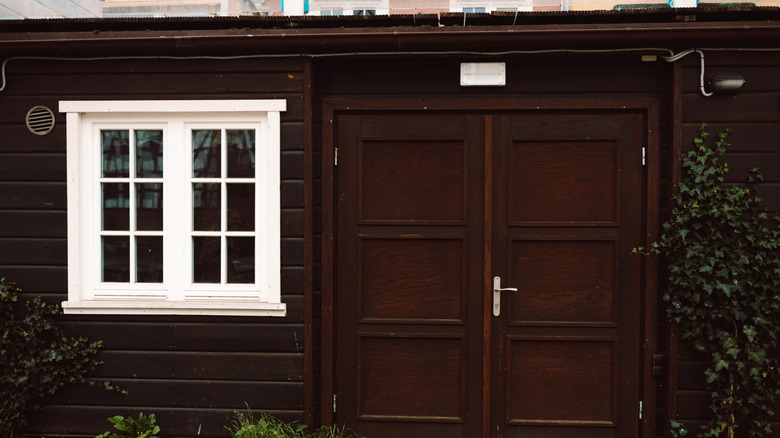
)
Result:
{"points": [[411, 378], [412, 181], [563, 282], [562, 182], [412, 280], [561, 381]]}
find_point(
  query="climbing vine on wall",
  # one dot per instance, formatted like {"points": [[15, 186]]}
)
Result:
{"points": [[37, 358], [722, 252]]}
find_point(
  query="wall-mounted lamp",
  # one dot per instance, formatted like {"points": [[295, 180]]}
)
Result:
{"points": [[726, 82]]}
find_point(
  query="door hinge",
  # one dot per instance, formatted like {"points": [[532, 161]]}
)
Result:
{"points": [[335, 156], [644, 156], [334, 403], [640, 409], [659, 365]]}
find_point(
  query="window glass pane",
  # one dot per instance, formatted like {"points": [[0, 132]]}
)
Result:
{"points": [[241, 207], [206, 266], [116, 153], [149, 259], [241, 259], [206, 153], [116, 206], [241, 153], [116, 259], [206, 207], [148, 154], [149, 207]]}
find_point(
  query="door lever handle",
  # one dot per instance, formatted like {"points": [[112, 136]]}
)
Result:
{"points": [[497, 294]]}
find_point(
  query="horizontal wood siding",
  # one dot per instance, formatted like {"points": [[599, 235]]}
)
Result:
{"points": [[753, 115], [192, 372]]}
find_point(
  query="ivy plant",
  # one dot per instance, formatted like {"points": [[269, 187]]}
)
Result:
{"points": [[722, 252], [36, 357]]}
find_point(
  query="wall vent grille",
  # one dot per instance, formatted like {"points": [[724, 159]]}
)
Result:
{"points": [[40, 120]]}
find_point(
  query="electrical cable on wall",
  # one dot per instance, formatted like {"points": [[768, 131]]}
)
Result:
{"points": [[672, 57]]}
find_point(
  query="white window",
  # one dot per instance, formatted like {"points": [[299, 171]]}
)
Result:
{"points": [[173, 207]]}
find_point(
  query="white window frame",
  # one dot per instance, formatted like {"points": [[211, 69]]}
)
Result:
{"points": [[177, 294]]}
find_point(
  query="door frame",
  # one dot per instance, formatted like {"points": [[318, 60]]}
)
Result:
{"points": [[648, 106]]}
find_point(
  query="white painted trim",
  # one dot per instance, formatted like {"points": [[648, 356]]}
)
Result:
{"points": [[74, 194], [167, 307], [172, 106], [176, 294]]}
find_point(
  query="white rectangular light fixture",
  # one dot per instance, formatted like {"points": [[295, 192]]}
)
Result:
{"points": [[482, 74]]}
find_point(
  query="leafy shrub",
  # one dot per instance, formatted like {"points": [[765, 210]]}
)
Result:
{"points": [[722, 253], [246, 426], [141, 427], [36, 357]]}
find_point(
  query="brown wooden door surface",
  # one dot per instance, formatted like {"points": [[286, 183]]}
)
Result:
{"points": [[418, 350], [566, 213]]}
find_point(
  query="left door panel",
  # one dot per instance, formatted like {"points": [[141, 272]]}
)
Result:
{"points": [[410, 279]]}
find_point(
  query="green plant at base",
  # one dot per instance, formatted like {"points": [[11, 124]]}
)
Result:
{"points": [[245, 425], [36, 357], [142, 427], [722, 252]]}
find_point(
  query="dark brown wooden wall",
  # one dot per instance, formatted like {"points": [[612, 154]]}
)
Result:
{"points": [[753, 115], [192, 372]]}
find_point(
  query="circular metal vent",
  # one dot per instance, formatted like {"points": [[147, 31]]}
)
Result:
{"points": [[40, 120]]}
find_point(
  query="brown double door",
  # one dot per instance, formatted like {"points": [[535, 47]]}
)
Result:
{"points": [[431, 207]]}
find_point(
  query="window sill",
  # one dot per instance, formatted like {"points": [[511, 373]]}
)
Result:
{"points": [[190, 307]]}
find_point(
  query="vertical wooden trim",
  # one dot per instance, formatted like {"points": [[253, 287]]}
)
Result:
{"points": [[308, 249], [672, 340], [328, 233], [653, 156], [487, 312]]}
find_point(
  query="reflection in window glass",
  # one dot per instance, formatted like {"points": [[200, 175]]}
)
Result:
{"points": [[206, 207], [115, 145], [241, 207], [206, 153], [116, 259], [148, 154], [149, 207], [149, 259], [241, 259], [115, 206], [241, 153], [206, 259]]}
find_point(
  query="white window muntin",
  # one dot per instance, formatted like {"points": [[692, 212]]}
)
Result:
{"points": [[176, 295]]}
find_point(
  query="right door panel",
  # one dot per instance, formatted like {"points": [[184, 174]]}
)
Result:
{"points": [[566, 213]]}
